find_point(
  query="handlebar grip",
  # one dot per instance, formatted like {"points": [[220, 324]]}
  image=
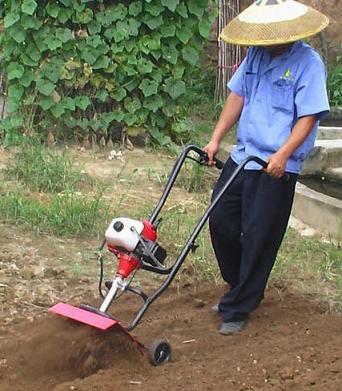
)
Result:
{"points": [[218, 163], [204, 159], [264, 164]]}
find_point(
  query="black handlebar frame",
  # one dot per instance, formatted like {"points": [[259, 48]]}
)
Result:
{"points": [[190, 245]]}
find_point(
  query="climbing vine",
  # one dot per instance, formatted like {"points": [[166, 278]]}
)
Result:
{"points": [[93, 66]]}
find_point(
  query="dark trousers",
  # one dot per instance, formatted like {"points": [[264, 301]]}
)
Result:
{"points": [[247, 227]]}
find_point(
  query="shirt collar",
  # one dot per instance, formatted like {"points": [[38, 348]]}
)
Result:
{"points": [[273, 63]]}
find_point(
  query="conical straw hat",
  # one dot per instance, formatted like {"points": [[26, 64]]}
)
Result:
{"points": [[274, 22]]}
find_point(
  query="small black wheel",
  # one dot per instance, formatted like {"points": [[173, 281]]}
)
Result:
{"points": [[159, 352]]}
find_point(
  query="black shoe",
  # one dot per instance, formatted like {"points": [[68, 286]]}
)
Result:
{"points": [[231, 328]]}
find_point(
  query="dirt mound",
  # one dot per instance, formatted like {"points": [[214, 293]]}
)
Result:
{"points": [[289, 343], [54, 350]]}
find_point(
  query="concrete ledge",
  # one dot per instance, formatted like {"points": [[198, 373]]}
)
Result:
{"points": [[317, 210], [334, 174], [329, 133], [326, 154]]}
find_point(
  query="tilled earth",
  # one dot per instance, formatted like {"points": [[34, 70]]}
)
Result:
{"points": [[290, 342]]}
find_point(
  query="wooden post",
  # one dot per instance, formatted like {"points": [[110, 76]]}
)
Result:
{"points": [[229, 56]]}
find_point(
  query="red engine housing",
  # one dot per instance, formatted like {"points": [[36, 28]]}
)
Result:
{"points": [[128, 263]]}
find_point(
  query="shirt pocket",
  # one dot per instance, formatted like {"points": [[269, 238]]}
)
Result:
{"points": [[283, 95]]}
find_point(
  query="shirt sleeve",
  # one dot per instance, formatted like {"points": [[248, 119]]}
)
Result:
{"points": [[236, 83], [311, 95]]}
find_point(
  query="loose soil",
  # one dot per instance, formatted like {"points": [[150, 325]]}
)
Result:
{"points": [[290, 342]]}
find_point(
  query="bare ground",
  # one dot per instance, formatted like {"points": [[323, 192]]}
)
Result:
{"points": [[290, 341]]}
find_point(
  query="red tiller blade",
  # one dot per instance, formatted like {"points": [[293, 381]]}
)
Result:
{"points": [[83, 316]]}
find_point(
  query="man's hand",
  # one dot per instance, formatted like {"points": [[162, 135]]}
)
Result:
{"points": [[211, 149], [277, 162], [276, 165]]}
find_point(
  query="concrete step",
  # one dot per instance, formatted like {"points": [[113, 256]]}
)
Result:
{"points": [[325, 155], [334, 174], [317, 210], [329, 133]]}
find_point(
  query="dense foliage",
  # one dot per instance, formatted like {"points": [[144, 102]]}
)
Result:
{"points": [[93, 66], [335, 82]]}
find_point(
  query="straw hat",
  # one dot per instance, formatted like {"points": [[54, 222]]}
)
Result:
{"points": [[274, 22]]}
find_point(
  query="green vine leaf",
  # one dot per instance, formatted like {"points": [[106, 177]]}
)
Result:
{"points": [[153, 22], [145, 66], [148, 87], [204, 28], [29, 22], [170, 54], [27, 78], [175, 88], [135, 8], [131, 119], [197, 7], [64, 15], [13, 105], [85, 16], [190, 55], [67, 3], [118, 115], [17, 33], [53, 9], [82, 102], [45, 86], [15, 91], [154, 103], [57, 110], [102, 95], [101, 63], [114, 13], [68, 104], [53, 42], [94, 27], [170, 4], [15, 71], [64, 34], [28, 7], [154, 8], [184, 34], [182, 10], [11, 19], [46, 102], [168, 30], [132, 104]]}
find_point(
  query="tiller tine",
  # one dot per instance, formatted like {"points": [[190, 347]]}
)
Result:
{"points": [[93, 319]]}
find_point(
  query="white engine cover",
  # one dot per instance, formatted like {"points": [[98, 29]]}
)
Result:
{"points": [[120, 234]]}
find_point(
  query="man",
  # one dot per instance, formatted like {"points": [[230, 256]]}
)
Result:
{"points": [[278, 95]]}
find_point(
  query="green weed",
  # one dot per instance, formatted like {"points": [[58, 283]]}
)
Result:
{"points": [[43, 170], [311, 266], [334, 82], [62, 215], [193, 177]]}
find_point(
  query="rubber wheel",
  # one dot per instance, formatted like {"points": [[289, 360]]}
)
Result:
{"points": [[159, 352]]}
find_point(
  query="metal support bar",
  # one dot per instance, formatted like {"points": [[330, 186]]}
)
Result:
{"points": [[188, 246]]}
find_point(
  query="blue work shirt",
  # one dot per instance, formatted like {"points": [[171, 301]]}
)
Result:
{"points": [[277, 92]]}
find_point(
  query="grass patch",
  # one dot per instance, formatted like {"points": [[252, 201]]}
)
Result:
{"points": [[312, 267], [179, 221], [193, 177], [61, 214], [41, 169]]}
